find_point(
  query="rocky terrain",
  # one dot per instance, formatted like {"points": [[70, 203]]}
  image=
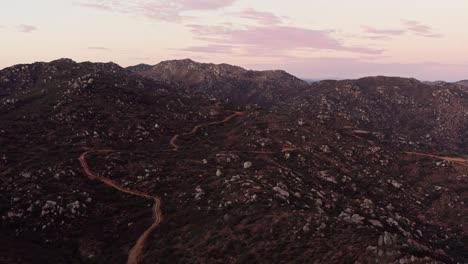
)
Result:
{"points": [[463, 83], [227, 82], [406, 112], [249, 167]]}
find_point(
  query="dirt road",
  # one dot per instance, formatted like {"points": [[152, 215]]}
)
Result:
{"points": [[173, 141], [459, 161], [137, 249]]}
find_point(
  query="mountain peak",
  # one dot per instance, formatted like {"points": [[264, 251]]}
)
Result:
{"points": [[189, 64], [225, 81], [63, 60]]}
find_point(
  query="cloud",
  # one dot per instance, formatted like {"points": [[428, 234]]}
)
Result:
{"points": [[26, 28], [165, 10], [101, 6], [265, 18], [142, 58], [393, 32], [204, 4], [416, 26], [409, 27], [209, 49], [98, 48], [258, 40], [420, 29]]}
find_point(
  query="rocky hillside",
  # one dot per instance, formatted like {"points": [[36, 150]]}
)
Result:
{"points": [[462, 83], [406, 112], [354, 171], [223, 81]]}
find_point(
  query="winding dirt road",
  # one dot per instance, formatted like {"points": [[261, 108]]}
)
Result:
{"points": [[459, 161], [173, 140], [266, 152], [137, 249]]}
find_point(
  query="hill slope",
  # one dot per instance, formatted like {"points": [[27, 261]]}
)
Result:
{"points": [[405, 111], [335, 171]]}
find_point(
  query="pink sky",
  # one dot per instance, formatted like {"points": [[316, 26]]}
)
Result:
{"points": [[311, 39]]}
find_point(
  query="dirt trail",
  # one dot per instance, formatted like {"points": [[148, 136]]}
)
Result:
{"points": [[266, 152], [173, 140], [136, 250], [459, 161], [288, 148], [175, 147]]}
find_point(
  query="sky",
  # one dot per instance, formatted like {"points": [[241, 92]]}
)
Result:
{"points": [[424, 39]]}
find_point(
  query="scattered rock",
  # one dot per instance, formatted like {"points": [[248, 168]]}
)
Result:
{"points": [[396, 184], [375, 223], [73, 207], [325, 148], [357, 219], [198, 192], [387, 239], [48, 207], [281, 192]]}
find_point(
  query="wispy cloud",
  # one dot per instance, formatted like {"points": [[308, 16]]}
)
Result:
{"points": [[258, 40], [26, 28], [265, 18], [420, 29], [102, 6], [408, 27], [209, 49], [203, 4], [142, 58], [416, 26], [393, 32], [170, 11], [98, 48], [268, 37]]}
